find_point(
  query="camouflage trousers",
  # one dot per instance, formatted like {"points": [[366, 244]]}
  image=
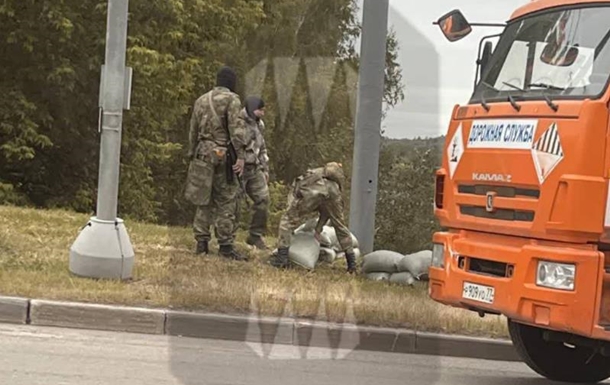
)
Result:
{"points": [[301, 209], [257, 189], [220, 210]]}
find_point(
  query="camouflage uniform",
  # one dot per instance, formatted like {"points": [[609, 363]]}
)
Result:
{"points": [[207, 184], [318, 190], [255, 171]]}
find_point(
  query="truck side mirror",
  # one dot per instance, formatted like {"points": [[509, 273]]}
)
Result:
{"points": [[454, 25]]}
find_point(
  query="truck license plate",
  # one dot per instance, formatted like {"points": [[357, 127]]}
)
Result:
{"points": [[478, 292]]}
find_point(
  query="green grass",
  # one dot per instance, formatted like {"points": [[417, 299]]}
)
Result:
{"points": [[34, 255]]}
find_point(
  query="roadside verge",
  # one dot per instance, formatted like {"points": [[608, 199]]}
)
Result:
{"points": [[251, 329]]}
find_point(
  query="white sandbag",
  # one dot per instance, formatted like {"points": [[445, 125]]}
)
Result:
{"points": [[307, 227], [331, 235], [355, 242], [304, 250], [385, 261], [327, 255], [417, 263], [325, 241], [357, 253], [403, 278], [378, 276], [330, 232]]}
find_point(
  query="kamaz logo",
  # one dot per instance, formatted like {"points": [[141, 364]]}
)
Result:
{"points": [[492, 177]]}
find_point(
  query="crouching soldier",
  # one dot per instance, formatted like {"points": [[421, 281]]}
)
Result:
{"points": [[318, 190]]}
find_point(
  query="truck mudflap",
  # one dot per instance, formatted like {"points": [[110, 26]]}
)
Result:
{"points": [[552, 285]]}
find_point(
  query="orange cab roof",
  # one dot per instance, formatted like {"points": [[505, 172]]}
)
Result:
{"points": [[537, 5]]}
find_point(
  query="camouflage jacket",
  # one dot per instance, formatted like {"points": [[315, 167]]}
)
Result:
{"points": [[204, 125], [323, 184], [256, 149]]}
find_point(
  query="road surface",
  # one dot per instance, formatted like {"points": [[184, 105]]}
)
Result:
{"points": [[53, 356]]}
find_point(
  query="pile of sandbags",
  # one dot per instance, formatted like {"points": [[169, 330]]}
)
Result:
{"points": [[307, 252], [386, 265]]}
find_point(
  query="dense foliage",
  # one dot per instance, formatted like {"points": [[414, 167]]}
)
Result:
{"points": [[299, 54]]}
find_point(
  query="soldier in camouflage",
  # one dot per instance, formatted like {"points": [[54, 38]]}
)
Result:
{"points": [[317, 190], [256, 171], [212, 183]]}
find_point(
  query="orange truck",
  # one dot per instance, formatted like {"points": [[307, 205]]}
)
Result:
{"points": [[522, 193]]}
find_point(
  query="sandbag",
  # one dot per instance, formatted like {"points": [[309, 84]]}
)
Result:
{"points": [[327, 255], [404, 278], [385, 261], [307, 227], [325, 241], [378, 276], [330, 232], [304, 250], [417, 263], [331, 235]]}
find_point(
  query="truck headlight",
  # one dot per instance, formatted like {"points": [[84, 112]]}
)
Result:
{"points": [[556, 275], [438, 255]]}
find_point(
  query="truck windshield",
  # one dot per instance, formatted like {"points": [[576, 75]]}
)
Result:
{"points": [[559, 54]]}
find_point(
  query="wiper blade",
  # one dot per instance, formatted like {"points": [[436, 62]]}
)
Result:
{"points": [[514, 103], [483, 102], [513, 86], [547, 86], [553, 106]]}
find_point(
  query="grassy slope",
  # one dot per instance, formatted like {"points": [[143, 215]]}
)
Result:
{"points": [[34, 249]]}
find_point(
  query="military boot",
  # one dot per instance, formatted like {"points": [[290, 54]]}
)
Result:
{"points": [[228, 251], [257, 242], [202, 247], [280, 260], [351, 263]]}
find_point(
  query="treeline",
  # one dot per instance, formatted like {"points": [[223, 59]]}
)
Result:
{"points": [[298, 54]]}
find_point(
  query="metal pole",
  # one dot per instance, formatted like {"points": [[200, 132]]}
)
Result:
{"points": [[103, 248], [112, 106], [368, 122]]}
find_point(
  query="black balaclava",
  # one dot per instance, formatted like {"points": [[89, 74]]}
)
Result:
{"points": [[226, 77], [253, 103]]}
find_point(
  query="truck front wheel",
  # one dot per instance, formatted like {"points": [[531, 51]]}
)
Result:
{"points": [[556, 361]]}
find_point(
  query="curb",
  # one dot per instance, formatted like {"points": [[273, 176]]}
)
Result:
{"points": [[251, 329]]}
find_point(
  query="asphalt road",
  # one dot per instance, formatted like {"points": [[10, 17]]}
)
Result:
{"points": [[52, 356]]}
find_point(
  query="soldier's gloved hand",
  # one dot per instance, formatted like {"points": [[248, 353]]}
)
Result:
{"points": [[266, 177]]}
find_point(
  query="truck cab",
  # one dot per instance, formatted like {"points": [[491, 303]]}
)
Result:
{"points": [[522, 193]]}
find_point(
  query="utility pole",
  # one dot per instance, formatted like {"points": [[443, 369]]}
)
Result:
{"points": [[103, 248], [368, 122]]}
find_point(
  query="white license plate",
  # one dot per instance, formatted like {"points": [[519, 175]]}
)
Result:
{"points": [[478, 292]]}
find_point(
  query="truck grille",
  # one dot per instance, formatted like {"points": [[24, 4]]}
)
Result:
{"points": [[503, 214], [500, 214], [501, 191]]}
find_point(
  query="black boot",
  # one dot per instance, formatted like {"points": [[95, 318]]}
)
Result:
{"points": [[351, 263], [228, 251], [281, 259], [202, 247]]}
